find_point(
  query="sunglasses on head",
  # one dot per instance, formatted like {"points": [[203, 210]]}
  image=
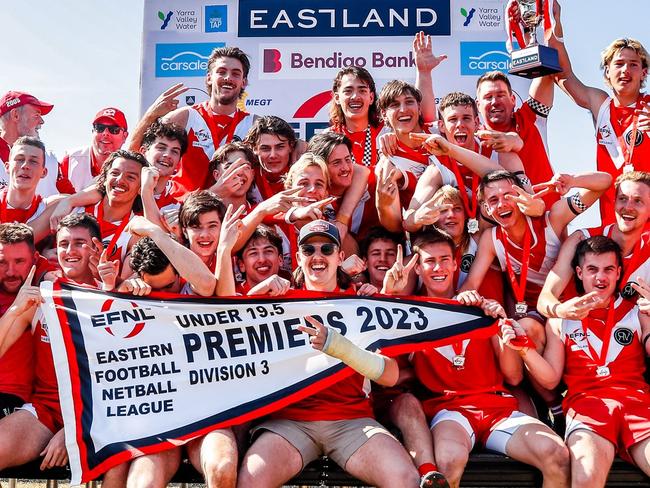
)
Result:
{"points": [[113, 129], [325, 249]]}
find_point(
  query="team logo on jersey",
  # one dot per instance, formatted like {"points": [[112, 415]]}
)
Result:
{"points": [[623, 336], [466, 262], [628, 292], [637, 141], [605, 131]]}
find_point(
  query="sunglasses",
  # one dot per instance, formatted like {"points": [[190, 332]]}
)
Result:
{"points": [[113, 129], [325, 249]]}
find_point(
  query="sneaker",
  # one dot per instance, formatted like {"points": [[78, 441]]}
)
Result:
{"points": [[434, 479]]}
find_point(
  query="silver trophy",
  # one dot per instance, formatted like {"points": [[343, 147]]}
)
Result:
{"points": [[534, 59]]}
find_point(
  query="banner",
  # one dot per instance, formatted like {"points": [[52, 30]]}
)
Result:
{"points": [[138, 375], [296, 48]]}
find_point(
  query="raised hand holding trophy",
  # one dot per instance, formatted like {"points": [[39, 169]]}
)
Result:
{"points": [[533, 59]]}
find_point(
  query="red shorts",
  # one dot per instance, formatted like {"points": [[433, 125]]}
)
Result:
{"points": [[624, 421], [47, 412], [482, 411]]}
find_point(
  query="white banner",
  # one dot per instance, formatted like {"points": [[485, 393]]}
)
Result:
{"points": [[139, 375]]}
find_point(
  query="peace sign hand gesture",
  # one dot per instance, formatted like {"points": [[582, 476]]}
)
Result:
{"points": [[396, 278]]}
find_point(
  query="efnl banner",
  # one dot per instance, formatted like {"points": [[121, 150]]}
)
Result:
{"points": [[296, 48], [138, 375]]}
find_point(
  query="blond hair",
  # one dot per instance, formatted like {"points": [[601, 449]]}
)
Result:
{"points": [[306, 160], [618, 45]]}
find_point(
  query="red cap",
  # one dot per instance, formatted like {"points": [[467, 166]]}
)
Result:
{"points": [[15, 99], [113, 114]]}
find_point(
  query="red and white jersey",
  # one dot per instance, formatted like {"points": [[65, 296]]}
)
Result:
{"points": [[344, 400], [360, 140], [108, 230], [412, 163], [480, 373], [464, 259], [264, 189], [614, 127], [165, 200], [364, 215], [636, 263], [45, 383], [625, 354], [80, 168], [206, 131], [22, 215], [544, 248], [531, 127], [16, 364]]}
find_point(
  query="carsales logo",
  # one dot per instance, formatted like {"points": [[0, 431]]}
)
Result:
{"points": [[477, 58], [178, 60], [125, 320]]}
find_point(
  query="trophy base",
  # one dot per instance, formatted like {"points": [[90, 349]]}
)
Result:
{"points": [[534, 62]]}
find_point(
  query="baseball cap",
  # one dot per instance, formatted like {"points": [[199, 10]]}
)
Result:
{"points": [[319, 228], [15, 99], [113, 114]]}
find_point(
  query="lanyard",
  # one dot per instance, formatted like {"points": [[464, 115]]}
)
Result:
{"points": [[601, 359], [471, 205], [628, 150], [518, 288], [105, 229]]}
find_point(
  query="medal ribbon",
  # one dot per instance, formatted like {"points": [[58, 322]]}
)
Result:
{"points": [[470, 206], [227, 131], [519, 289], [601, 360], [628, 150]]}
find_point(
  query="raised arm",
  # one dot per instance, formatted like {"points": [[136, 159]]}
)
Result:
{"points": [[188, 265], [584, 96], [484, 257], [590, 187], [425, 63], [547, 369], [374, 366], [166, 105]]}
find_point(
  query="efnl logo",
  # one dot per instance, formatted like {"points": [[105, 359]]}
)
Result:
{"points": [[183, 59], [272, 63], [477, 58], [216, 18]]}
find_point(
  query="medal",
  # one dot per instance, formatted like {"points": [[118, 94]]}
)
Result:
{"points": [[602, 371], [458, 362], [628, 168], [472, 226], [521, 308], [459, 354]]}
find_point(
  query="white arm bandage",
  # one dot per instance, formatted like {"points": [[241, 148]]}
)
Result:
{"points": [[369, 364]]}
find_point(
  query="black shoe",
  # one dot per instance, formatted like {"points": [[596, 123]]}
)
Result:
{"points": [[559, 424], [434, 479]]}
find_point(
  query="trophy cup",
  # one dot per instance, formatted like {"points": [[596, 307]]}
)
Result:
{"points": [[533, 59]]}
